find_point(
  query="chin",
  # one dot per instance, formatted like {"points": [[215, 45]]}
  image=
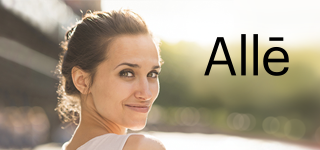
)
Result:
{"points": [[138, 125]]}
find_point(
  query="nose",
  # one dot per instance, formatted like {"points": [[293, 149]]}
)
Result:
{"points": [[143, 91]]}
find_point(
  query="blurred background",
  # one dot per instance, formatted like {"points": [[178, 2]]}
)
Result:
{"points": [[192, 110]]}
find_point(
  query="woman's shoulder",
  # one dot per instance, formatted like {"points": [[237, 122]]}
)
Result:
{"points": [[143, 142], [109, 140]]}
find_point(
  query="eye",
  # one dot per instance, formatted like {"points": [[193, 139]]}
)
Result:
{"points": [[153, 74], [126, 73]]}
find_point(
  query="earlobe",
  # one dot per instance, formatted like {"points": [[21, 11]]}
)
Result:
{"points": [[80, 80]]}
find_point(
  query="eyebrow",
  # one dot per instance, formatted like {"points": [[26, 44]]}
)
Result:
{"points": [[134, 65]]}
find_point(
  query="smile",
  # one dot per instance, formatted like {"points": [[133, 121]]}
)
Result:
{"points": [[138, 108]]}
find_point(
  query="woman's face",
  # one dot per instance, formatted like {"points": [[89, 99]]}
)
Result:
{"points": [[126, 84]]}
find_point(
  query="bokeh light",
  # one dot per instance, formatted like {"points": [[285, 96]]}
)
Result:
{"points": [[241, 122], [22, 127], [295, 129]]}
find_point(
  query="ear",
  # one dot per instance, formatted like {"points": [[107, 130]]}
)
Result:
{"points": [[80, 80]]}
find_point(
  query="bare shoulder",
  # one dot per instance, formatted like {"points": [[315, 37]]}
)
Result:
{"points": [[142, 142]]}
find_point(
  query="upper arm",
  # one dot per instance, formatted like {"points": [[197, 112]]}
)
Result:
{"points": [[141, 142]]}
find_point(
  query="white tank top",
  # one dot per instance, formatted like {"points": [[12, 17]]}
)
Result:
{"points": [[108, 141]]}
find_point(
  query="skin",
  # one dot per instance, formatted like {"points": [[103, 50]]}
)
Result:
{"points": [[125, 82]]}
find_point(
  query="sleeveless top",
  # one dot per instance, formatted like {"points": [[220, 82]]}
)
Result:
{"points": [[108, 141]]}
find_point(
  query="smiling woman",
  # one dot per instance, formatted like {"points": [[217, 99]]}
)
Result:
{"points": [[109, 80]]}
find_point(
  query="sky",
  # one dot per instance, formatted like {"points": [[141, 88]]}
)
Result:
{"points": [[203, 21]]}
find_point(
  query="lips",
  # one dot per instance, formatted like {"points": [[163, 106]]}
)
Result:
{"points": [[138, 108]]}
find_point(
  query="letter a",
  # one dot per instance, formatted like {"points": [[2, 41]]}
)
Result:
{"points": [[226, 53]]}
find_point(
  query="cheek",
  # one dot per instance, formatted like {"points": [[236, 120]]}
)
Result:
{"points": [[109, 95]]}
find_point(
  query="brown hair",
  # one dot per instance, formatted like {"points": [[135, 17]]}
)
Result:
{"points": [[85, 46]]}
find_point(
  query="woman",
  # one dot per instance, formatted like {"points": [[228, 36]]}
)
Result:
{"points": [[109, 80]]}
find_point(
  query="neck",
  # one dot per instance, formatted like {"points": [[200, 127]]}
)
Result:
{"points": [[91, 121]]}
